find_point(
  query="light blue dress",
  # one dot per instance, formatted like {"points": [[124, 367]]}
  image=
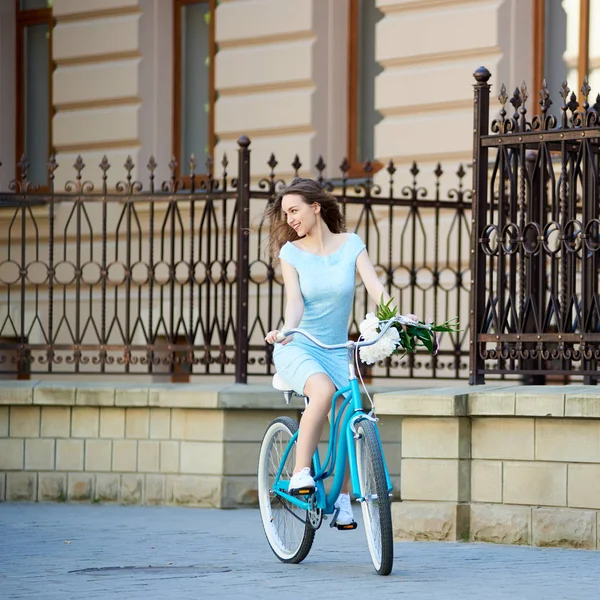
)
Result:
{"points": [[327, 284]]}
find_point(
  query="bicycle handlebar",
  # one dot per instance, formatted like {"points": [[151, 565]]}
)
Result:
{"points": [[361, 344]]}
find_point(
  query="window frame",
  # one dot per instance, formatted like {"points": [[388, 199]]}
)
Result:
{"points": [[181, 169], [23, 19], [539, 44], [356, 166]]}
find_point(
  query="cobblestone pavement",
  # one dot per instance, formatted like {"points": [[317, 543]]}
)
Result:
{"points": [[69, 551]]}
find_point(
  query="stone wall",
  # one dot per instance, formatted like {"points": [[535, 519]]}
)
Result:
{"points": [[514, 464], [165, 444]]}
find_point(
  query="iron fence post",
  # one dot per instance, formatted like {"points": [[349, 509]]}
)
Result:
{"points": [[480, 176], [243, 263]]}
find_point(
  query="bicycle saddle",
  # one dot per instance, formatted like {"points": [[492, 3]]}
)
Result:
{"points": [[280, 384]]}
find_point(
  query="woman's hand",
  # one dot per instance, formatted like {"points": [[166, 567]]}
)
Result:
{"points": [[272, 337]]}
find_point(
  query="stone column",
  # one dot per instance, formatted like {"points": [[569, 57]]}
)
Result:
{"points": [[435, 463]]}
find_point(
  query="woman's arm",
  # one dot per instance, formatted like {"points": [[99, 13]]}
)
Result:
{"points": [[367, 273], [294, 302]]}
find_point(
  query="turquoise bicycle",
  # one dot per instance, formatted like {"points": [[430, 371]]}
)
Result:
{"points": [[290, 521]]}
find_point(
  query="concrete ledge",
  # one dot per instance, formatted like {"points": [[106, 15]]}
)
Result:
{"points": [[159, 395], [492, 401], [441, 402]]}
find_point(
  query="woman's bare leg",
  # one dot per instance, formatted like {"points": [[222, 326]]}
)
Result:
{"points": [[320, 389]]}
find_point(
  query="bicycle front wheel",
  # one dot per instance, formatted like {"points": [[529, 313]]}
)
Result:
{"points": [[375, 506], [286, 526]]}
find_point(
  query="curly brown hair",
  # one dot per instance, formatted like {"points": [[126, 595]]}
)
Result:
{"points": [[311, 192]]}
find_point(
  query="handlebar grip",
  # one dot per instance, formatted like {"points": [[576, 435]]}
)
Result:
{"points": [[280, 337]]}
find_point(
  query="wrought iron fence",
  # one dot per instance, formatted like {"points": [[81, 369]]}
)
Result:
{"points": [[536, 236], [175, 278]]}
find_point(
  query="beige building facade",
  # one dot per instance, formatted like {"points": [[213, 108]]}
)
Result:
{"points": [[282, 76]]}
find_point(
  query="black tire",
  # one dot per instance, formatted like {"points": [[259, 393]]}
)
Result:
{"points": [[376, 508], [288, 531]]}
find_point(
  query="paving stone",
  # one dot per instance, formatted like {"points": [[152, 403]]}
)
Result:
{"points": [[103, 551]]}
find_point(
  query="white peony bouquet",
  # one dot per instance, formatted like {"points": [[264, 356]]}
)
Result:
{"points": [[405, 337]]}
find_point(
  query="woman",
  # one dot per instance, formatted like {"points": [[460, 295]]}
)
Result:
{"points": [[319, 263]]}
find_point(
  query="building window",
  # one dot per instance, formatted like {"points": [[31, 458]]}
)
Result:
{"points": [[193, 90], [34, 87], [566, 44], [362, 71]]}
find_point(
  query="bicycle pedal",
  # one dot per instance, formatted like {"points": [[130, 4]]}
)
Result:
{"points": [[305, 491], [348, 527]]}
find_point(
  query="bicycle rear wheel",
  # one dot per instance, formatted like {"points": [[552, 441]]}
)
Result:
{"points": [[376, 507], [286, 526]]}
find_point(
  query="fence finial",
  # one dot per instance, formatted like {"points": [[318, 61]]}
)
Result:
{"points": [[243, 141], [482, 75]]}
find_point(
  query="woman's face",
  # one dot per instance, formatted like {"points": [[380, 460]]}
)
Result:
{"points": [[300, 215]]}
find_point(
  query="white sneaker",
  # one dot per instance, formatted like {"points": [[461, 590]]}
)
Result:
{"points": [[301, 480], [345, 516]]}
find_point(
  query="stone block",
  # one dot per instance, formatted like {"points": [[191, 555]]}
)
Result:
{"points": [[12, 393], [52, 487], [169, 457], [433, 437], [442, 480], [80, 486], [197, 425], [390, 428], [39, 455], [492, 402], [98, 455], [500, 524], [2, 487], [540, 401], [188, 396], [69, 455], [567, 440], [131, 488], [3, 421], [12, 454], [84, 422], [107, 487], [246, 426], [124, 457], [133, 396], [148, 457], [56, 421], [425, 521], [155, 489], [160, 423], [499, 438], [194, 490], [240, 490], [201, 457], [55, 394], [24, 421], [581, 404], [21, 486], [89, 396], [112, 423], [584, 486], [432, 402], [393, 457], [137, 423], [564, 527], [486, 481], [538, 484], [240, 396], [240, 458]]}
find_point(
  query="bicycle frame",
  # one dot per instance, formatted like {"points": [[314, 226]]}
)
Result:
{"points": [[351, 412]]}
